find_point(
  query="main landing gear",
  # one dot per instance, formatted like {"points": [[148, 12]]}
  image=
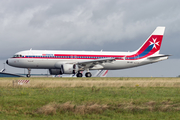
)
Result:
{"points": [[29, 73], [88, 74], [79, 74]]}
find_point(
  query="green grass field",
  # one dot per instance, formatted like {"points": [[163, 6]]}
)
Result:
{"points": [[90, 98]]}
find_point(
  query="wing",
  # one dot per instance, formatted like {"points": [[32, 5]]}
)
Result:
{"points": [[94, 64]]}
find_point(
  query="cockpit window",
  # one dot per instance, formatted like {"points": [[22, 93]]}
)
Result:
{"points": [[17, 56]]}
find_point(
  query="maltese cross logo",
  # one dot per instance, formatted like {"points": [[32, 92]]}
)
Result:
{"points": [[154, 43]]}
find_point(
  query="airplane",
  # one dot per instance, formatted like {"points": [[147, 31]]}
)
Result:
{"points": [[3, 70], [101, 73], [73, 62]]}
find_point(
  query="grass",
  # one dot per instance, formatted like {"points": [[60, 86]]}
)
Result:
{"points": [[94, 98], [99, 82]]}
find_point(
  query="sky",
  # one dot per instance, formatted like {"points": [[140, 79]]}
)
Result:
{"points": [[92, 25]]}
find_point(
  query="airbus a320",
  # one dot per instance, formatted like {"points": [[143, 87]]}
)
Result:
{"points": [[74, 62]]}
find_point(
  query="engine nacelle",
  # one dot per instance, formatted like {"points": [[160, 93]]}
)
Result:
{"points": [[69, 68], [64, 69], [55, 71]]}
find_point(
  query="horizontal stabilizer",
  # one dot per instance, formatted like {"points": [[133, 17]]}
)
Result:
{"points": [[158, 56]]}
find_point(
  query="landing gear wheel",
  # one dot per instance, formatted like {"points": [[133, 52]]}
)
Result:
{"points": [[88, 74], [28, 75], [79, 75]]}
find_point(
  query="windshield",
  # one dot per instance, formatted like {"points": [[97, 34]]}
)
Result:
{"points": [[17, 56]]}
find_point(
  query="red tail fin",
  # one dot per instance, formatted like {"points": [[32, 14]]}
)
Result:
{"points": [[153, 43]]}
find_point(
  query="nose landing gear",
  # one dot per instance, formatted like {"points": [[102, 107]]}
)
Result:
{"points": [[29, 73]]}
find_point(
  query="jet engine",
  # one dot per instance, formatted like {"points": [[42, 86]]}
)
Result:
{"points": [[55, 71], [64, 69]]}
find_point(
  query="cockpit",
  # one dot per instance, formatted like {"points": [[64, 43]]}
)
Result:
{"points": [[17, 56]]}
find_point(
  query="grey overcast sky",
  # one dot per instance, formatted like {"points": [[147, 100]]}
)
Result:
{"points": [[111, 25]]}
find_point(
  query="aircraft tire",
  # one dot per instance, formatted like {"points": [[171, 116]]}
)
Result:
{"points": [[88, 74], [79, 75], [28, 75]]}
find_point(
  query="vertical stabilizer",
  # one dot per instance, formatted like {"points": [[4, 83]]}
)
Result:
{"points": [[152, 45]]}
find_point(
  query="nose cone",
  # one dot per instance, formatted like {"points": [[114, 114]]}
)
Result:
{"points": [[6, 61]]}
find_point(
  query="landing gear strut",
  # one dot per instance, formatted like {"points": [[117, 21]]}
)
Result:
{"points": [[29, 73]]}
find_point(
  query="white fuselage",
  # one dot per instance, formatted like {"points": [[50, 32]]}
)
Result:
{"points": [[46, 59]]}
